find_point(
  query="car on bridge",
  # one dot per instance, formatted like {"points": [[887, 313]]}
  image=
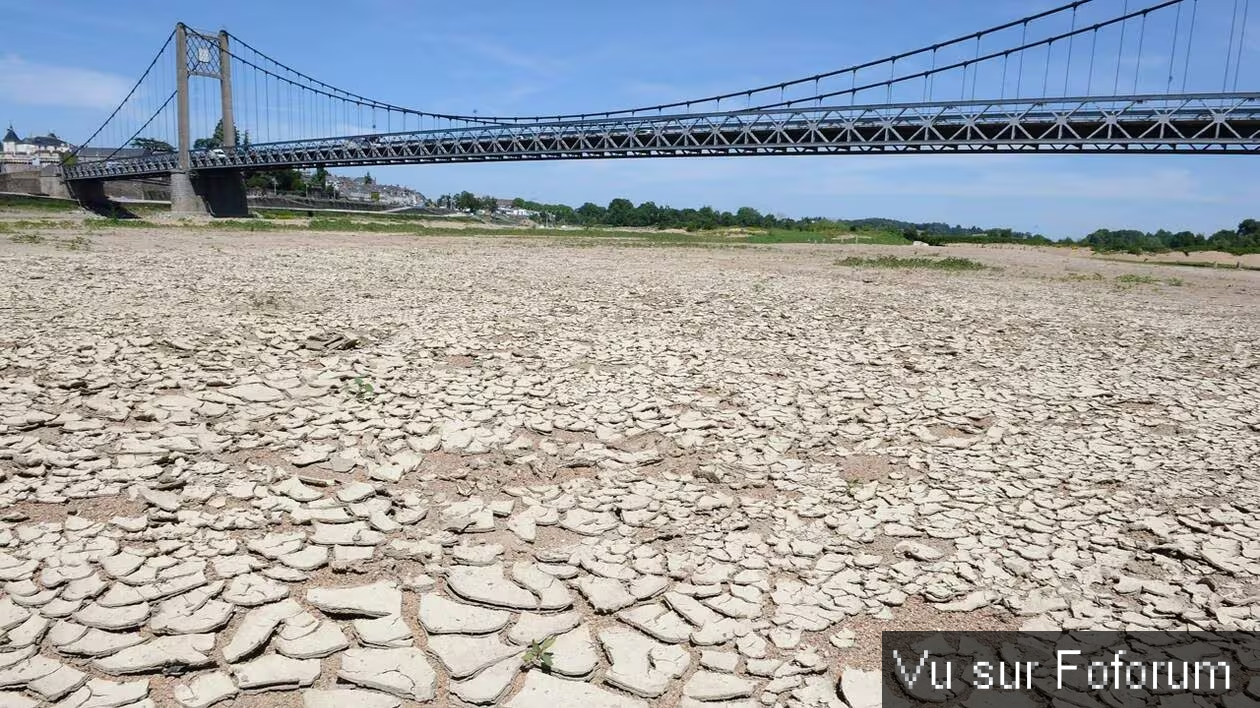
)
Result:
{"points": [[361, 141]]}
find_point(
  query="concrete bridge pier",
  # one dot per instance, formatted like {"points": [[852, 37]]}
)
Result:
{"points": [[222, 192], [219, 193], [88, 192], [184, 199]]}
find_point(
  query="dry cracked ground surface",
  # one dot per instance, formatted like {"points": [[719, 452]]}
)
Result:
{"points": [[335, 470]]}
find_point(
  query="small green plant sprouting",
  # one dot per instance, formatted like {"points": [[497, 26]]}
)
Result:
{"points": [[361, 390], [1083, 276], [79, 243], [949, 263], [26, 238], [264, 300], [1175, 282], [539, 655], [1134, 278]]}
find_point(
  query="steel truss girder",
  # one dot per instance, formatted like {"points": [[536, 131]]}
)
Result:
{"points": [[1205, 123]]}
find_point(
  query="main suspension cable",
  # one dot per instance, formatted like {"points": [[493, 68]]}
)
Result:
{"points": [[715, 98], [167, 43]]}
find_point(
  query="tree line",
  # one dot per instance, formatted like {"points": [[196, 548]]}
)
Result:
{"points": [[467, 201], [622, 212], [1244, 239], [625, 213]]}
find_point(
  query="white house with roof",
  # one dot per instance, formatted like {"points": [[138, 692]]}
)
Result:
{"points": [[17, 154]]}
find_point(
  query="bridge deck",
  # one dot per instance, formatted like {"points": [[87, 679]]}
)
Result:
{"points": [[1213, 123]]}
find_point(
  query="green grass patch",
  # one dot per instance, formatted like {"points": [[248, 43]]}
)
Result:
{"points": [[285, 213], [78, 243], [39, 224], [1237, 265], [114, 222], [1136, 279], [1079, 277], [343, 223], [18, 202], [879, 239], [949, 263], [26, 238], [787, 236], [242, 225], [274, 215]]}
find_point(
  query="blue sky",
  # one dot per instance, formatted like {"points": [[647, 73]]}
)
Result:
{"points": [[64, 64]]}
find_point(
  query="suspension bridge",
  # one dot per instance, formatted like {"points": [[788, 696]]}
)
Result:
{"points": [[1089, 76]]}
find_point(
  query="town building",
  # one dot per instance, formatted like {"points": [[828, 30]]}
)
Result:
{"points": [[357, 190], [21, 154], [506, 207]]}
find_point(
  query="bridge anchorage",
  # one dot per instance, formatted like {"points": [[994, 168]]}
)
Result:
{"points": [[1088, 76]]}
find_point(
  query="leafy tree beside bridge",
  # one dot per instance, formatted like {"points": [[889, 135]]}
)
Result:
{"points": [[152, 145]]}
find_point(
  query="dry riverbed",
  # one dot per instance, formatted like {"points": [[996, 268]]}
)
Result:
{"points": [[335, 469]]}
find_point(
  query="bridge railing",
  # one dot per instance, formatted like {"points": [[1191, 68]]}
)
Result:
{"points": [[797, 126]]}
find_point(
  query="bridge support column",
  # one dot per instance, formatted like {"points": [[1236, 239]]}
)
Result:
{"points": [[219, 193], [184, 199], [88, 192], [55, 186], [222, 192]]}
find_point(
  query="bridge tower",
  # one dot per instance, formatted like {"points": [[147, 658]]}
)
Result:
{"points": [[221, 192]]}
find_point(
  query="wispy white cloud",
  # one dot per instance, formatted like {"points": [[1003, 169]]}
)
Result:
{"points": [[505, 54], [36, 84]]}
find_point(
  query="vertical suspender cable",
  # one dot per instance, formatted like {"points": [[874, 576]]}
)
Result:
{"points": [[1045, 79], [1185, 73], [254, 77], [1115, 88], [926, 96], [1229, 50], [1172, 54], [1067, 73], [1137, 72], [1093, 52], [892, 72], [1019, 80], [1242, 36], [103, 130], [1005, 60], [932, 75], [975, 74]]}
